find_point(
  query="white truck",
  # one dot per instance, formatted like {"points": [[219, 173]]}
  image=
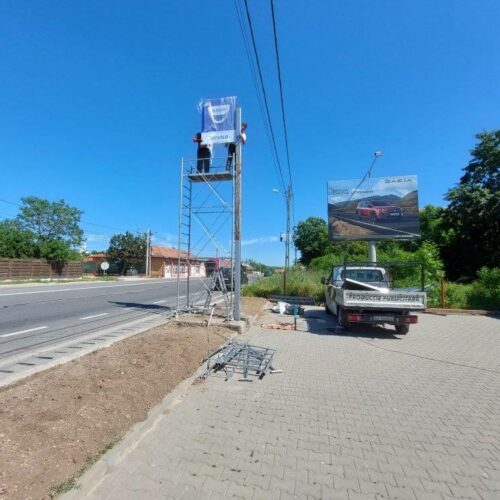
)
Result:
{"points": [[364, 293]]}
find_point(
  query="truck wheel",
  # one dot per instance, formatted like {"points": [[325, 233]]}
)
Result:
{"points": [[327, 311], [341, 318], [402, 329]]}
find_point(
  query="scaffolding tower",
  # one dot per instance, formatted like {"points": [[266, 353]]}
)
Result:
{"points": [[206, 228]]}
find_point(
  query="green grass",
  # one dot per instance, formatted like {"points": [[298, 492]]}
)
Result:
{"points": [[300, 283], [484, 293], [71, 483]]}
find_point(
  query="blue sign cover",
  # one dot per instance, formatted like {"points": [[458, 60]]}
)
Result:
{"points": [[218, 120]]}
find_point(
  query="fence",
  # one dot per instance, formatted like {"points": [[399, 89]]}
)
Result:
{"points": [[11, 269]]}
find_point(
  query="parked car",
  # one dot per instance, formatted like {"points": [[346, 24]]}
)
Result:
{"points": [[378, 210]]}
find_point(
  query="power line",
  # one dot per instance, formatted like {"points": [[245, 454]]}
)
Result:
{"points": [[251, 63], [81, 221], [263, 90], [281, 93]]}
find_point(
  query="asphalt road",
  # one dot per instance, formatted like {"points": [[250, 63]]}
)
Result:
{"points": [[34, 316], [407, 224]]}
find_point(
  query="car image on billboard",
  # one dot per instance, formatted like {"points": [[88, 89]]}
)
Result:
{"points": [[378, 208]]}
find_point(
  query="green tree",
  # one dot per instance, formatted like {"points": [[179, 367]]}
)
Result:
{"points": [[16, 243], [128, 250], [51, 221], [472, 217], [311, 238]]}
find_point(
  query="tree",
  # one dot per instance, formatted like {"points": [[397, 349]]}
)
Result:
{"points": [[472, 217], [51, 221], [15, 243], [128, 250], [311, 238]]}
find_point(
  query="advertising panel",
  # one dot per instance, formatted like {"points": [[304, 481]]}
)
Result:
{"points": [[218, 120], [378, 208]]}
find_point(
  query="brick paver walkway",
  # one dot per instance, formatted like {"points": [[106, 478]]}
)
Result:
{"points": [[351, 416]]}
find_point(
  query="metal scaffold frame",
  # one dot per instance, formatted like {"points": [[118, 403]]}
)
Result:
{"points": [[205, 204]]}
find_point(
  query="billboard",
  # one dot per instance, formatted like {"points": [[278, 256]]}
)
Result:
{"points": [[218, 120], [378, 208]]}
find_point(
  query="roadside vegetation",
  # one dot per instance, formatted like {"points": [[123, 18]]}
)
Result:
{"points": [[459, 245]]}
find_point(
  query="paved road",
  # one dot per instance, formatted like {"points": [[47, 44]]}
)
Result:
{"points": [[35, 316], [405, 225], [362, 415]]}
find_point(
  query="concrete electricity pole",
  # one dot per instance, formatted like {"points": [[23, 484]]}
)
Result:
{"points": [[287, 240], [237, 219]]}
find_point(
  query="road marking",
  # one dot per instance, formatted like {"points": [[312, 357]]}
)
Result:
{"points": [[75, 289], [95, 316], [24, 331], [160, 301]]}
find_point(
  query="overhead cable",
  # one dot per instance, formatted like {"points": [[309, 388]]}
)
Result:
{"points": [[261, 78]]}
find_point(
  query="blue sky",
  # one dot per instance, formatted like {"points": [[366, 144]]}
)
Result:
{"points": [[99, 100]]}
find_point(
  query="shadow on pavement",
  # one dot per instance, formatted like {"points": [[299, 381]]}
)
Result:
{"points": [[320, 323], [143, 307]]}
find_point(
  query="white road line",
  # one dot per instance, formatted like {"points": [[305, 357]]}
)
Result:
{"points": [[75, 289], [160, 301], [95, 316], [24, 331]]}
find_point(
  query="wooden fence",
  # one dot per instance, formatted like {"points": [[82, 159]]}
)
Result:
{"points": [[13, 269]]}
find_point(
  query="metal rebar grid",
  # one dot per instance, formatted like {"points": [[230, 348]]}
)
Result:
{"points": [[241, 358]]}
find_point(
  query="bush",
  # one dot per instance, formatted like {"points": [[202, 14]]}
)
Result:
{"points": [[484, 293]]}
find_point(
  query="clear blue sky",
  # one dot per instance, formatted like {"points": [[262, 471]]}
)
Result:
{"points": [[98, 101]]}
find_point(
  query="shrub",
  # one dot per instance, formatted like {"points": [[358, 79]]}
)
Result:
{"points": [[484, 293]]}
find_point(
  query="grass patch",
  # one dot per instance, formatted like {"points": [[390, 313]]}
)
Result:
{"points": [[300, 283], [71, 483]]}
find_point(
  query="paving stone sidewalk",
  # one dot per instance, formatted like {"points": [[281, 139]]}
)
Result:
{"points": [[365, 414]]}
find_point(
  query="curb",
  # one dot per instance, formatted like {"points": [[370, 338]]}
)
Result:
{"points": [[91, 479], [471, 312]]}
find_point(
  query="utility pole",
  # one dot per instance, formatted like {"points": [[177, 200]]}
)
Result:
{"points": [[237, 219], [148, 253], [287, 240]]}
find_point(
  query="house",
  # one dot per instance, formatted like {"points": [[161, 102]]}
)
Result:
{"points": [[164, 262]]}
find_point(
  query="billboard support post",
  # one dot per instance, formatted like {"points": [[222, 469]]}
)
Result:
{"points": [[237, 220], [372, 251]]}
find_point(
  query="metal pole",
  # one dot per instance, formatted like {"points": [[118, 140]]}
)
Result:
{"points": [[287, 240], [148, 251], [372, 251], [237, 220], [179, 238]]}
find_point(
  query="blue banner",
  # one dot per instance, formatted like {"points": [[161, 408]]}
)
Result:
{"points": [[218, 120]]}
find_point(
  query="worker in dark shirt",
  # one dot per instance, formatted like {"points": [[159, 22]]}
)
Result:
{"points": [[204, 154]]}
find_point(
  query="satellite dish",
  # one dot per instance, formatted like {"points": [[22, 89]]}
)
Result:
{"points": [[104, 266]]}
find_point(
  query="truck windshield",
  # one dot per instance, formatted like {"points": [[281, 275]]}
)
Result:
{"points": [[365, 275]]}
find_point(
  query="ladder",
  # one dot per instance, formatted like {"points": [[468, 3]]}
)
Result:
{"points": [[217, 282]]}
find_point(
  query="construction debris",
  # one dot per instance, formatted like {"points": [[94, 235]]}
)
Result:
{"points": [[242, 358]]}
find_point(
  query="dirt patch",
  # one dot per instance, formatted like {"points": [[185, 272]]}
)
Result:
{"points": [[346, 229], [58, 421], [251, 306]]}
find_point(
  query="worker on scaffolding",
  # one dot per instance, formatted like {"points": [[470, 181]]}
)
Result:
{"points": [[204, 155], [231, 146]]}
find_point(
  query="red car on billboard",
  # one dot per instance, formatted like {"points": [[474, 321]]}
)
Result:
{"points": [[378, 210]]}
